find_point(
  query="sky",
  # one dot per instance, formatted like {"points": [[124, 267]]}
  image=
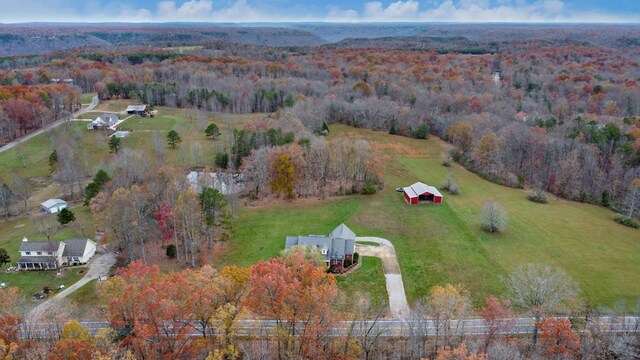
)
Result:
{"points": [[232, 11]]}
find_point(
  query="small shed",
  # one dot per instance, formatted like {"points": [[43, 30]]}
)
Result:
{"points": [[421, 192], [53, 206]]}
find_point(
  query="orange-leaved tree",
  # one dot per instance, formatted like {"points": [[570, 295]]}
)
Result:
{"points": [[557, 338], [298, 296]]}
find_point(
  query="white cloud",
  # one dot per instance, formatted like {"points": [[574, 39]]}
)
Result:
{"points": [[397, 11], [476, 11]]}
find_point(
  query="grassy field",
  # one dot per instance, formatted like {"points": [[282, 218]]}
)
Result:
{"points": [[367, 280], [438, 244], [31, 282], [86, 98]]}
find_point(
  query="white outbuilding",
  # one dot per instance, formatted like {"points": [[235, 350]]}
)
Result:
{"points": [[53, 206]]}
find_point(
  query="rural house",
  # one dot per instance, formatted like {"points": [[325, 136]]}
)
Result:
{"points": [[103, 121], [421, 192], [339, 246], [137, 110], [78, 251], [53, 206], [40, 255], [51, 255]]}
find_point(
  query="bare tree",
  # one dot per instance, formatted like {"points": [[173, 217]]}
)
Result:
{"points": [[493, 218], [21, 188], [6, 199], [539, 289], [47, 225]]}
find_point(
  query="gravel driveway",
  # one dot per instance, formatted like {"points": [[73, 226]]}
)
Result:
{"points": [[98, 267], [398, 305]]}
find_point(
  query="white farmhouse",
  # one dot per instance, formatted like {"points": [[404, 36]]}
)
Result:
{"points": [[53, 206], [78, 251], [51, 255]]}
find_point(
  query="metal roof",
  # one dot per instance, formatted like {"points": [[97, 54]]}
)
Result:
{"points": [[53, 202], [421, 188], [136, 108]]}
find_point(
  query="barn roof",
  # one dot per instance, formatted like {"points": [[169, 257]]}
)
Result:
{"points": [[136, 108], [420, 188], [409, 191]]}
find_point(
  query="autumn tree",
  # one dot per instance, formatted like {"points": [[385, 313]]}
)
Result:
{"points": [[497, 317], [283, 176], [459, 353], [448, 305], [461, 135], [557, 338], [540, 290], [10, 316], [299, 297]]}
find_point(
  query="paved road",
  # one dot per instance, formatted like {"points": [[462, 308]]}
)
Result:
{"points": [[398, 305], [98, 267], [94, 103], [383, 328]]}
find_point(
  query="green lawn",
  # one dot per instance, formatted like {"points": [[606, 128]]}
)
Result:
{"points": [[259, 234], [366, 279], [439, 244], [86, 296], [367, 243], [31, 282], [86, 98]]}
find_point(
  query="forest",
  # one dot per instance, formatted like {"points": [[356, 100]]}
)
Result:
{"points": [[326, 125], [561, 118]]}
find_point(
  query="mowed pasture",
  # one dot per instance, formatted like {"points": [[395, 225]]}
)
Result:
{"points": [[438, 244]]}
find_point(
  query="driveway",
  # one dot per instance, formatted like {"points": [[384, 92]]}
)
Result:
{"points": [[94, 103], [398, 305], [98, 267]]}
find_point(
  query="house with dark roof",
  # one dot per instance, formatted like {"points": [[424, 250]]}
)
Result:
{"points": [[339, 246], [51, 255], [78, 251], [36, 255]]}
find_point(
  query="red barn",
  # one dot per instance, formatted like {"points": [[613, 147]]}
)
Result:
{"points": [[420, 192]]}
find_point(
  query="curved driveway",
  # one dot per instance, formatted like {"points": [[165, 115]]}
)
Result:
{"points": [[395, 288]]}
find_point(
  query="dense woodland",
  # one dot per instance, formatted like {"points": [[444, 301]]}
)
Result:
{"points": [[556, 114], [560, 118]]}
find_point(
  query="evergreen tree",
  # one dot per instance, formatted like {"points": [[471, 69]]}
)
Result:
{"points": [[114, 144], [212, 131], [173, 138], [66, 216], [4, 257], [53, 161]]}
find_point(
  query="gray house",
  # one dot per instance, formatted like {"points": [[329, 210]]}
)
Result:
{"points": [[103, 121], [336, 248]]}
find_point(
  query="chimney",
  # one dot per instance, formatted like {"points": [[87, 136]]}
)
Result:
{"points": [[24, 239]]}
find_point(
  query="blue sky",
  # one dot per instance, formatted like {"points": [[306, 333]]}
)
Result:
{"points": [[13, 11]]}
